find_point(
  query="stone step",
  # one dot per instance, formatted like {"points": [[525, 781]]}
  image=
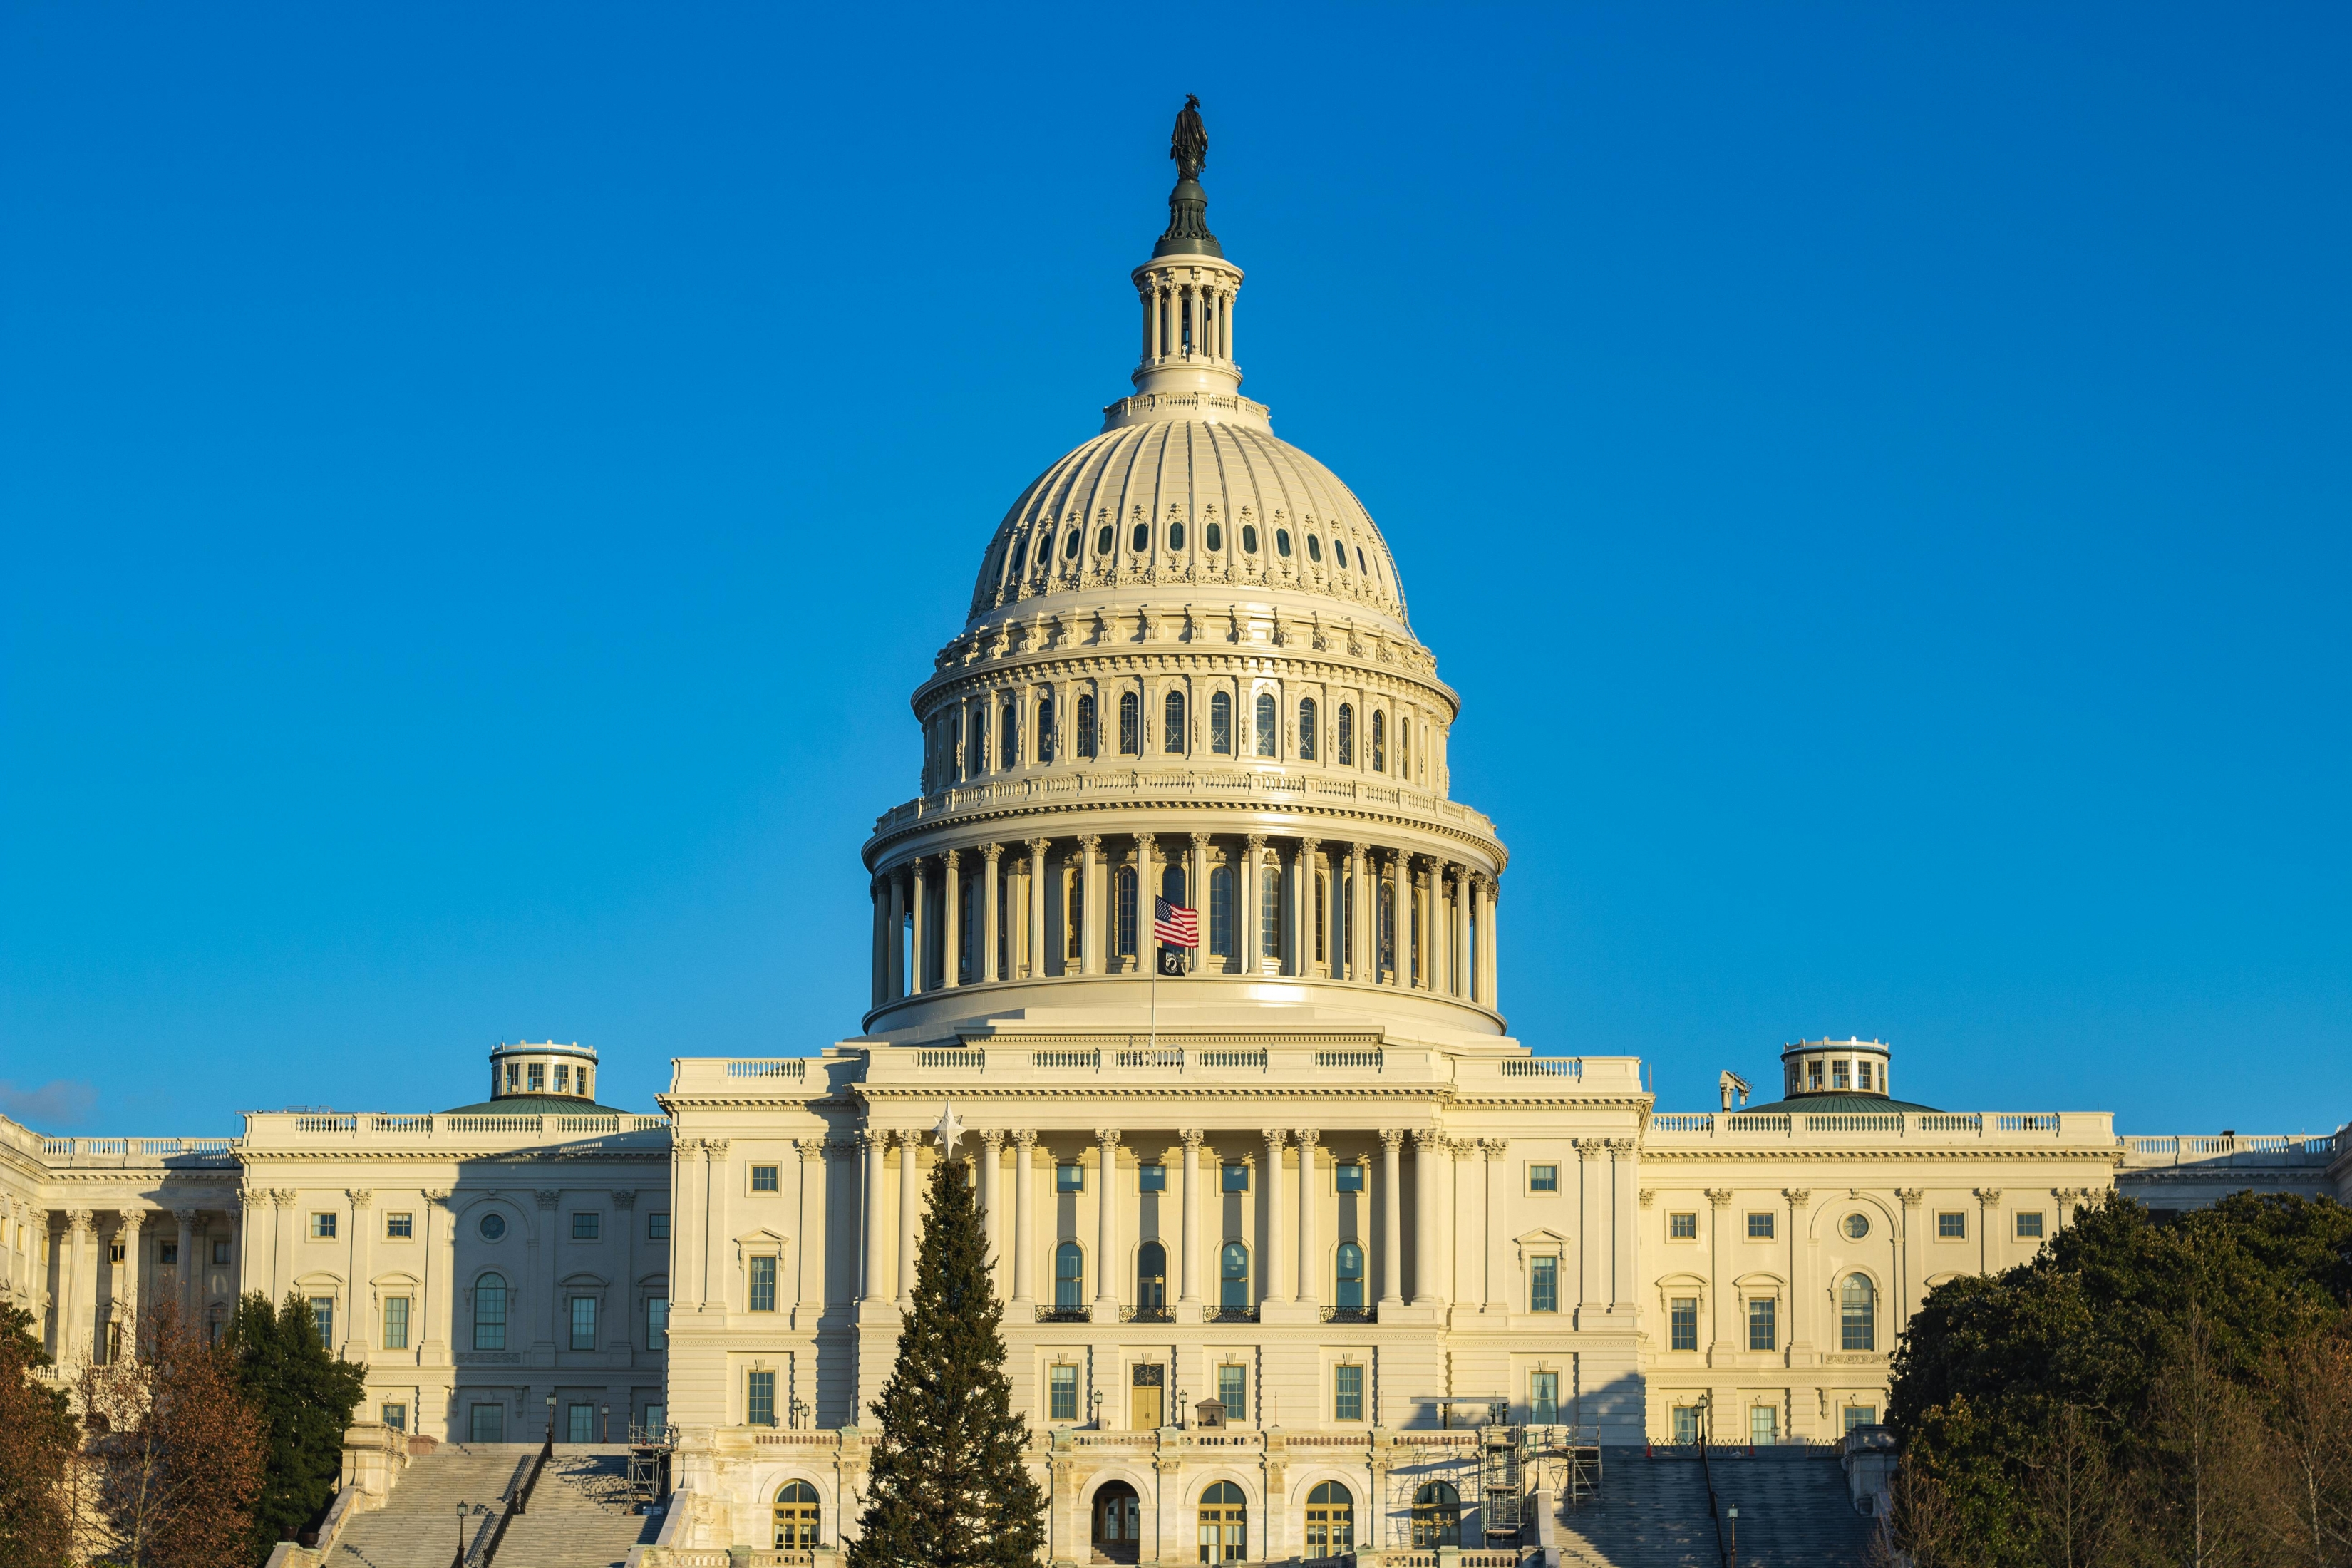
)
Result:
{"points": [[1652, 1513]]}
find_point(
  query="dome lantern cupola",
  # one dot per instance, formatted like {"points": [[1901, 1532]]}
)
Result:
{"points": [[1854, 1067], [523, 1070], [1187, 292]]}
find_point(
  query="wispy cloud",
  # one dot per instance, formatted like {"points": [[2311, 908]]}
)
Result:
{"points": [[60, 1102]]}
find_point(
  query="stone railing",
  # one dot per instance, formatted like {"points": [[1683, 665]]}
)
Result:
{"points": [[1281, 790], [1672, 1129], [2141, 1153], [316, 1128]]}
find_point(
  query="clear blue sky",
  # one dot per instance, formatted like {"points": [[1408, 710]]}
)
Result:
{"points": [[479, 484]]}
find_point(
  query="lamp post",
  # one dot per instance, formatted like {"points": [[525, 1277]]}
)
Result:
{"points": [[459, 1561], [1732, 1513], [608, 1425], [551, 1420]]}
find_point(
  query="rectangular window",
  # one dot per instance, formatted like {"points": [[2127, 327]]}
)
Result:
{"points": [[583, 1323], [563, 1078], [1062, 1393], [220, 1254], [1685, 1424], [1269, 912], [1235, 1177], [1150, 1176], [1759, 1228], [395, 1322], [399, 1226], [2029, 1228], [489, 1424], [1543, 1285], [514, 1076], [1682, 1226], [1861, 1415], [1233, 1391], [1763, 1324], [1543, 1398], [395, 1416], [763, 1284], [656, 1227], [1347, 1394], [1069, 1176], [657, 1322], [168, 1254], [1763, 1425], [587, 1226], [1543, 1178], [538, 1076], [760, 1399], [580, 1424], [1682, 1323], [322, 1228], [1839, 1074], [1952, 1225], [1813, 1076], [1221, 912], [1868, 1075], [1349, 1176], [322, 1313]]}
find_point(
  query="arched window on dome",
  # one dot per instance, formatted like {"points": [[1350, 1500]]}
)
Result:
{"points": [[1087, 738], [1360, 561], [1130, 724], [1282, 543], [799, 1524], [1070, 545], [1858, 1314], [1045, 727], [1249, 539], [1124, 886], [1213, 536], [1347, 734], [1307, 729], [1268, 727], [1269, 912], [1103, 539], [1315, 548], [1221, 912], [1045, 546], [975, 753], [1384, 942], [1175, 536], [1171, 722], [1008, 737], [1339, 553], [1142, 537], [1404, 747], [1221, 723], [1379, 741]]}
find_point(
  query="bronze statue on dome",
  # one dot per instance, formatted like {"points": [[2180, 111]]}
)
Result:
{"points": [[1189, 145]]}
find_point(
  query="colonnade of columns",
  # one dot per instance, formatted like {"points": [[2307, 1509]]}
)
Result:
{"points": [[970, 916], [58, 1264], [1182, 318]]}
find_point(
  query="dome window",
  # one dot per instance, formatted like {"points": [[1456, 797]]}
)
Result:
{"points": [[1214, 537], [1046, 728], [1379, 741], [1175, 536], [1249, 538], [1102, 541], [1314, 549], [1221, 723], [1360, 566], [1142, 537], [1130, 725], [1404, 748], [1070, 545], [1008, 738], [1282, 543], [1347, 734], [1045, 546], [1339, 553], [1307, 729], [1265, 724], [1086, 726], [1171, 722]]}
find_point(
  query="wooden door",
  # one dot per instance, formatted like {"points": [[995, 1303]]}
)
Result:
{"points": [[1147, 1403]]}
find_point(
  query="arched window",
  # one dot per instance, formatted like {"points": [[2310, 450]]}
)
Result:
{"points": [[1124, 884], [1214, 537], [1385, 934], [1249, 539], [1130, 724], [1151, 1275], [1069, 1276], [1857, 1314], [1267, 730], [1352, 1273], [1314, 549], [1331, 1520], [1347, 734], [1269, 911], [797, 1519], [1070, 545], [1404, 747], [1087, 725], [1307, 729], [1221, 723], [1360, 559], [490, 1312], [1282, 543], [1172, 884], [1221, 912], [1379, 741], [1119, 1521], [1437, 1517], [1008, 738], [1142, 537], [1339, 553], [1103, 539], [1223, 1525], [1171, 722], [1232, 1276], [975, 757], [1175, 536], [1046, 728]]}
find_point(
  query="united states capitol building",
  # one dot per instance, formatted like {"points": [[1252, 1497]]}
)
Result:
{"points": [[1273, 1229]]}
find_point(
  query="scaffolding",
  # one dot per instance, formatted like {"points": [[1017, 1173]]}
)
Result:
{"points": [[650, 1448], [1500, 1471]]}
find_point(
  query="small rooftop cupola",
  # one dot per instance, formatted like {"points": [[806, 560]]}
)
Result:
{"points": [[1834, 1067], [523, 1070], [1187, 292]]}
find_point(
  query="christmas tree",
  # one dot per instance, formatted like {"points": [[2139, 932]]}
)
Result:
{"points": [[948, 1487]]}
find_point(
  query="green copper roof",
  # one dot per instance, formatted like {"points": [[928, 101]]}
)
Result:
{"points": [[540, 1105], [1838, 1102]]}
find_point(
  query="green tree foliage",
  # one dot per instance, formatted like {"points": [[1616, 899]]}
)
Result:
{"points": [[38, 1441], [304, 1395], [2135, 1392], [948, 1487]]}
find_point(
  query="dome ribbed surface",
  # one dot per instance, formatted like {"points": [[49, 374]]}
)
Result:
{"points": [[1163, 473]]}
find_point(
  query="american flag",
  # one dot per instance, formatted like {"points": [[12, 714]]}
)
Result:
{"points": [[1173, 925]]}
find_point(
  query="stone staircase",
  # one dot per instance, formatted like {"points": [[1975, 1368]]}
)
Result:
{"points": [[579, 1515], [1652, 1513]]}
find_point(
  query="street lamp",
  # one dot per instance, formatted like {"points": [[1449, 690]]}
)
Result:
{"points": [[551, 1420], [459, 1561], [608, 1425], [1732, 1513]]}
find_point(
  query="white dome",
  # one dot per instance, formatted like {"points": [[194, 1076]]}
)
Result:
{"points": [[1212, 502]]}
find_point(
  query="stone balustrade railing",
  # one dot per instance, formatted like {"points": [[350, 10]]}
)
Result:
{"points": [[2142, 1152], [1672, 1129], [1280, 790], [314, 1129]]}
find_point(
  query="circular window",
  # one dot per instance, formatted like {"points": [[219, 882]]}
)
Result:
{"points": [[1313, 548], [1175, 536], [1282, 542], [493, 1226], [1857, 1226], [1212, 536], [1249, 538]]}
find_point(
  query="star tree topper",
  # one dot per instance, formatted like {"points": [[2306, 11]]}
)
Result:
{"points": [[949, 1132]]}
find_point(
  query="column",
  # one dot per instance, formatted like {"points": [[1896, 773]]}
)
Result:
{"points": [[1246, 940], [717, 1188], [1090, 924], [544, 1244], [1461, 976], [1035, 906], [919, 945], [1196, 893], [1188, 1281], [1482, 930], [911, 1218], [131, 1231], [1365, 921], [437, 1291], [281, 1246], [952, 921], [988, 933], [1623, 1173], [81, 1237], [1310, 1262], [1911, 1287], [1429, 1232], [897, 944], [869, 1230], [1801, 1305], [1588, 1291], [1146, 888], [1269, 1268], [1025, 1246], [881, 958], [191, 1268], [1391, 1219], [811, 1209], [992, 1150], [1424, 927], [1308, 892], [358, 1334], [1719, 1331], [1106, 1226], [1498, 1228], [1401, 901], [1488, 949]]}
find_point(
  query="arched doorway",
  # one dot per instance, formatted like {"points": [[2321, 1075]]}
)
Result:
{"points": [[1118, 1524], [1224, 1524], [797, 1522], [1331, 1520], [1437, 1517]]}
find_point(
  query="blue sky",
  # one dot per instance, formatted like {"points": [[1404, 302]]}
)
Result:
{"points": [[479, 485]]}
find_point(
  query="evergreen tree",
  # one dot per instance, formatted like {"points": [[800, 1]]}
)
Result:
{"points": [[948, 1487], [38, 1441], [304, 1397]]}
